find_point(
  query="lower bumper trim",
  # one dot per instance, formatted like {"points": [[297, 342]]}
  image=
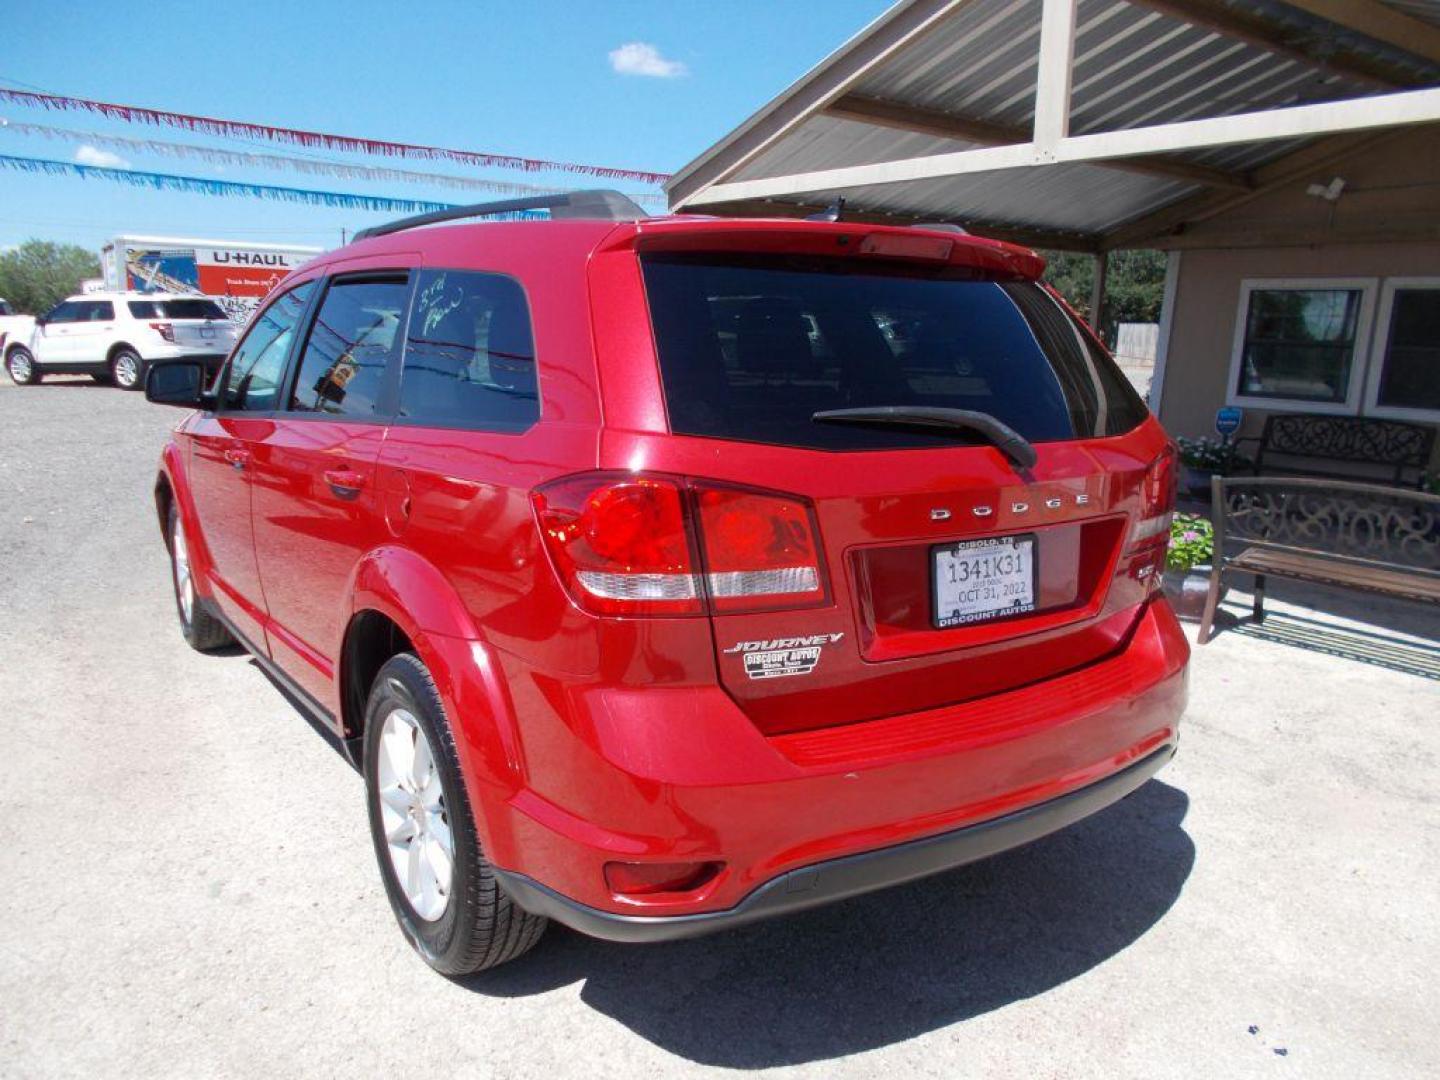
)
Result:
{"points": [[850, 875]]}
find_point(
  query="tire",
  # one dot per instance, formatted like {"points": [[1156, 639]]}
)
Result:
{"points": [[468, 924], [201, 630], [21, 365], [127, 369]]}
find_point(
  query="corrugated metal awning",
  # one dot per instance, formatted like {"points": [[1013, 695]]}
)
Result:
{"points": [[946, 77]]}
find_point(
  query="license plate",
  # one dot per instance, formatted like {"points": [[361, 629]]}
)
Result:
{"points": [[208, 333], [978, 580]]}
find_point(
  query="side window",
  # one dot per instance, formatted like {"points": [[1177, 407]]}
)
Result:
{"points": [[257, 366], [143, 309], [97, 311], [469, 354], [65, 312], [342, 371]]}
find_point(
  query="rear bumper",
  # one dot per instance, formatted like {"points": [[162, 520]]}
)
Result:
{"points": [[772, 809], [852, 875]]}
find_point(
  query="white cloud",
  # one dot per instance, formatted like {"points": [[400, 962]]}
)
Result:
{"points": [[639, 58], [93, 155]]}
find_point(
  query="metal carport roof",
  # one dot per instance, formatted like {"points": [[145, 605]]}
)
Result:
{"points": [[943, 110]]}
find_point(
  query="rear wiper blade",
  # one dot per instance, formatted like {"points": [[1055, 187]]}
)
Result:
{"points": [[1005, 438]]}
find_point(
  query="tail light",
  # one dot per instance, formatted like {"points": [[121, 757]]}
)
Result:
{"points": [[650, 545], [623, 546], [760, 550], [1157, 499], [165, 330], [1150, 535]]}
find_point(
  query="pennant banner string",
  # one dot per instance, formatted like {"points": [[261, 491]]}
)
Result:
{"points": [[204, 186], [243, 159], [298, 137]]}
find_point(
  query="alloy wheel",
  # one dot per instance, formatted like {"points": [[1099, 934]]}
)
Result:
{"points": [[20, 366], [184, 582], [413, 815], [127, 369]]}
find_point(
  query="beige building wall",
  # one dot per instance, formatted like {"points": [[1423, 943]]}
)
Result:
{"points": [[1385, 224]]}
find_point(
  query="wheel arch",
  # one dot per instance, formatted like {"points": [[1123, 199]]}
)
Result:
{"points": [[122, 346], [371, 638], [172, 488], [164, 500], [396, 587]]}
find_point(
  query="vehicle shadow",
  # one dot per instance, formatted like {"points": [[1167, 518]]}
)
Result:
{"points": [[882, 968], [892, 965]]}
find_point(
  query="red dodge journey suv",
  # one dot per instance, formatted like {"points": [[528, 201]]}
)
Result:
{"points": [[666, 574]]}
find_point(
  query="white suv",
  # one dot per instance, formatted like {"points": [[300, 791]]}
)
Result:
{"points": [[116, 336]]}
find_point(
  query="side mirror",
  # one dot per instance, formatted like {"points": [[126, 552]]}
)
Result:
{"points": [[41, 320], [178, 382]]}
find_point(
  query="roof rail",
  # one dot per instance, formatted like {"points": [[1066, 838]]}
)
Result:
{"points": [[599, 204]]}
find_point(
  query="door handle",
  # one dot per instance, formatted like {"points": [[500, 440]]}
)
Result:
{"points": [[238, 458], [345, 483]]}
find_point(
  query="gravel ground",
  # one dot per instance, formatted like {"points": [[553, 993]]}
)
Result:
{"points": [[190, 889]]}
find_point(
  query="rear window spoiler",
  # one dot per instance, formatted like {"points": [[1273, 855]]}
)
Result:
{"points": [[843, 239]]}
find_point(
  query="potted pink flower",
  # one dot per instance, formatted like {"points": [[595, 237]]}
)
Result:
{"points": [[1187, 559]]}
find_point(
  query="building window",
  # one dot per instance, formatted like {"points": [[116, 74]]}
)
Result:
{"points": [[1404, 379], [1300, 344]]}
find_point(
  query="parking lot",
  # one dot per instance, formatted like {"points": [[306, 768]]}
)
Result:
{"points": [[190, 887]]}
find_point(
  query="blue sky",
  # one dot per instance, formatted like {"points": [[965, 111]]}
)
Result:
{"points": [[535, 79]]}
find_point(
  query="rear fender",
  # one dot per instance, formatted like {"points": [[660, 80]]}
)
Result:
{"points": [[419, 599]]}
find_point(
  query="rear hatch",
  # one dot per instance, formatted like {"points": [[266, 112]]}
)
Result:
{"points": [[882, 401], [194, 323]]}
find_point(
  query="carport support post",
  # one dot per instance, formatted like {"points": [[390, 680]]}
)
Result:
{"points": [[1052, 77], [1097, 294]]}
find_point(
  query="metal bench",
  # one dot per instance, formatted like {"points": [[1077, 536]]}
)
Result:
{"points": [[1356, 536], [1364, 448]]}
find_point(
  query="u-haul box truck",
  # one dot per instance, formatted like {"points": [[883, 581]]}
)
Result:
{"points": [[236, 275]]}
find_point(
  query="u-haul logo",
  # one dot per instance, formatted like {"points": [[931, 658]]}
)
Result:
{"points": [[779, 657]]}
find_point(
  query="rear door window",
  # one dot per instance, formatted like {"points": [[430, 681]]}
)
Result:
{"points": [[469, 354], [93, 311], [751, 348], [354, 335]]}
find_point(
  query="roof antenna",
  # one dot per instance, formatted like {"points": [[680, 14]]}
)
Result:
{"points": [[831, 213]]}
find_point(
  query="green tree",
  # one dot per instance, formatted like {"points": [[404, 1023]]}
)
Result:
{"points": [[37, 275], [1073, 275], [1134, 285]]}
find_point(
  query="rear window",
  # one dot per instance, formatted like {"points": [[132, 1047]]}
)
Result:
{"points": [[751, 348], [175, 309]]}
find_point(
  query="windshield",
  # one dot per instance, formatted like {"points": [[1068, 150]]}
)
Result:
{"points": [[752, 348]]}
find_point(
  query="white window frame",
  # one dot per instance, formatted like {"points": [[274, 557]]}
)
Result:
{"points": [[1368, 287], [1382, 342]]}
